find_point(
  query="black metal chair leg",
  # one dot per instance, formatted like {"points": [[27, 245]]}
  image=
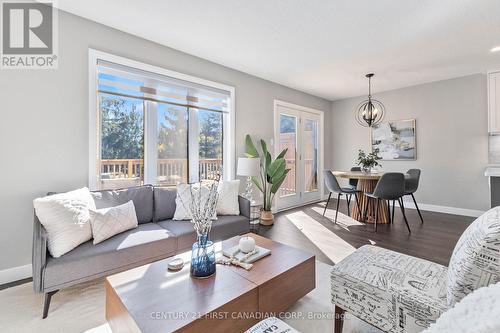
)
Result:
{"points": [[376, 214], [337, 210], [393, 210], [46, 303], [401, 205], [327, 202], [389, 211], [416, 206], [348, 204]]}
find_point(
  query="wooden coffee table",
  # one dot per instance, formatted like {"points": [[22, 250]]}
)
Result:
{"points": [[152, 299]]}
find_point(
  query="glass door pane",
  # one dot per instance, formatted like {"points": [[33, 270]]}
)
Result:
{"points": [[310, 155], [288, 139], [122, 141], [172, 131]]}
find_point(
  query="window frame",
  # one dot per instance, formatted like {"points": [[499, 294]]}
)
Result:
{"points": [[228, 146]]}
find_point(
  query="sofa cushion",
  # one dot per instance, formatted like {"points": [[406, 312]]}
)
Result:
{"points": [[198, 193], [229, 226], [142, 196], [223, 228], [108, 222], [228, 204], [143, 244], [183, 231], [390, 290], [164, 198], [65, 216], [475, 261]]}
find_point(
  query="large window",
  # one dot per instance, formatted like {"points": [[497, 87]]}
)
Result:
{"points": [[153, 126]]}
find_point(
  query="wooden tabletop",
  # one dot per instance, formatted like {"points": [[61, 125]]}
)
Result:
{"points": [[282, 258], [150, 298], [357, 175]]}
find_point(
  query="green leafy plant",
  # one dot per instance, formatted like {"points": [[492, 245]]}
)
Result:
{"points": [[272, 173], [368, 160]]}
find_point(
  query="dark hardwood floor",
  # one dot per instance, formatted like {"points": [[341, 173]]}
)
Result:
{"points": [[434, 240]]}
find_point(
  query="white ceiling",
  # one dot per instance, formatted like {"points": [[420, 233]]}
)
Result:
{"points": [[323, 47]]}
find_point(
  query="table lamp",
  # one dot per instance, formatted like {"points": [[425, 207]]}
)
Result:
{"points": [[248, 167]]}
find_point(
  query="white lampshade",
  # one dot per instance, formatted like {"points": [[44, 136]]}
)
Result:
{"points": [[248, 166]]}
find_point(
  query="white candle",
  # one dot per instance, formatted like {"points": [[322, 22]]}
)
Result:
{"points": [[246, 244]]}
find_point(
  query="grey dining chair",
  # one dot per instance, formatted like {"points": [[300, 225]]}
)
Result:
{"points": [[391, 186], [411, 186], [353, 182], [333, 187]]}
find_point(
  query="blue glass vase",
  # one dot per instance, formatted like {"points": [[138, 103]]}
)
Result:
{"points": [[203, 258]]}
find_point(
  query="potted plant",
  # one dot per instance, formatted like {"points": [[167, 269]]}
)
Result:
{"points": [[368, 161], [272, 175]]}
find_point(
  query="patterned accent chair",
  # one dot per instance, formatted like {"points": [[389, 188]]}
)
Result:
{"points": [[400, 293]]}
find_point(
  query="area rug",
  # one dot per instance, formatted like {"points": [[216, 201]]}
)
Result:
{"points": [[81, 309]]}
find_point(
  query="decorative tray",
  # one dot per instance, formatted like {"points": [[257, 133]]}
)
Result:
{"points": [[234, 252]]}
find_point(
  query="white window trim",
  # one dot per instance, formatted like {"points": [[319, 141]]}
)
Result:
{"points": [[229, 147], [150, 146]]}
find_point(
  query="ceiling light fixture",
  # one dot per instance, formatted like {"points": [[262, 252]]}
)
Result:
{"points": [[370, 112], [495, 49]]}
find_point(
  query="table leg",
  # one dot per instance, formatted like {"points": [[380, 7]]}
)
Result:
{"points": [[368, 185]]}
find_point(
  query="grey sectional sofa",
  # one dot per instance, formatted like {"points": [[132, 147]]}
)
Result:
{"points": [[157, 237]]}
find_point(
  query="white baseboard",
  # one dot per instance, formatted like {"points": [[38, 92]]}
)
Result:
{"points": [[15, 274], [444, 209], [298, 205], [436, 208]]}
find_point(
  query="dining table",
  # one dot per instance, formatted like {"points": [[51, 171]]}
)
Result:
{"points": [[366, 184]]}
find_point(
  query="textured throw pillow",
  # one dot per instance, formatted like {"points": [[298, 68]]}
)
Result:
{"points": [[107, 222], [478, 312], [65, 216], [183, 200], [228, 198], [475, 261]]}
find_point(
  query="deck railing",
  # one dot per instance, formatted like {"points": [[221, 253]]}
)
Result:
{"points": [[171, 171], [129, 172], [210, 168], [122, 168], [289, 186]]}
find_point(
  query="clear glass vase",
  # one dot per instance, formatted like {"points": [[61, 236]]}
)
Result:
{"points": [[366, 169], [203, 258]]}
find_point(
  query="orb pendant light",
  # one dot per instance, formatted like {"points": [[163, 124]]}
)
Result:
{"points": [[370, 112]]}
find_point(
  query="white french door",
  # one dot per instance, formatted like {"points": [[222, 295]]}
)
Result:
{"points": [[300, 130]]}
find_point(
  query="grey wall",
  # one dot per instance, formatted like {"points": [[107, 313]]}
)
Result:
{"points": [[452, 138], [44, 124]]}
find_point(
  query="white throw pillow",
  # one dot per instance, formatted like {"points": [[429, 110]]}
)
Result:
{"points": [[65, 216], [228, 198], [107, 222], [478, 312], [183, 200]]}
